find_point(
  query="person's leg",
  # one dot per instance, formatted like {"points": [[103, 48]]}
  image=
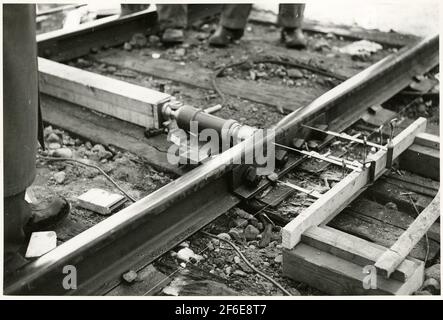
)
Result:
{"points": [[290, 19], [291, 15], [126, 8], [14, 234], [20, 125], [20, 96], [235, 16], [232, 24], [172, 19]]}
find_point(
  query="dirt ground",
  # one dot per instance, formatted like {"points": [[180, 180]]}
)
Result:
{"points": [[217, 260]]}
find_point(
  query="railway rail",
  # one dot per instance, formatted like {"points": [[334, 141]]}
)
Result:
{"points": [[137, 235]]}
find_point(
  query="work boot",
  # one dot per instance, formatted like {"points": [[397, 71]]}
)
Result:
{"points": [[223, 36], [12, 262], [293, 38], [173, 36], [46, 214]]}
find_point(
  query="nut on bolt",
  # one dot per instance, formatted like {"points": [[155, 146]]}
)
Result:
{"points": [[251, 177]]}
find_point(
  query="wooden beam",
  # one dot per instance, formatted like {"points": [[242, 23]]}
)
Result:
{"points": [[116, 98], [399, 219], [337, 198], [395, 255], [422, 185], [193, 75], [379, 232], [107, 131], [383, 192], [354, 249], [422, 160], [337, 276], [428, 140]]}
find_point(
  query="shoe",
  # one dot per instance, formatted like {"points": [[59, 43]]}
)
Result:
{"points": [[293, 38], [223, 36], [12, 262], [46, 214], [173, 36]]}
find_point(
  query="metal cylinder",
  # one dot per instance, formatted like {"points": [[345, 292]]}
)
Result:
{"points": [[186, 114], [226, 128]]}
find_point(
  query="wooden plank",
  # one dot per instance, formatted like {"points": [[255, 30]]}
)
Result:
{"points": [[422, 160], [404, 140], [337, 276], [413, 178], [330, 203], [393, 217], [346, 190], [353, 249], [113, 97], [380, 232], [350, 32], [428, 140], [426, 188], [193, 75], [392, 257], [105, 130], [383, 192]]}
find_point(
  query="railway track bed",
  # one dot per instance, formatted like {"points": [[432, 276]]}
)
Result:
{"points": [[259, 221]]}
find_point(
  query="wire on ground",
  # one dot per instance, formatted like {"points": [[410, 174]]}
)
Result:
{"points": [[91, 166], [250, 265]]}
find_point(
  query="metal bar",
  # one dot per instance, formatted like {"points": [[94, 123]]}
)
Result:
{"points": [[154, 224], [319, 156], [311, 193], [372, 86], [60, 9], [62, 45], [346, 137]]}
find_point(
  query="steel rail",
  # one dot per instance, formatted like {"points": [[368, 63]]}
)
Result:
{"points": [[140, 233], [59, 9], [62, 45]]}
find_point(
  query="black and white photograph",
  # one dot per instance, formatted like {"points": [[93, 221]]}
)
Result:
{"points": [[192, 150]]}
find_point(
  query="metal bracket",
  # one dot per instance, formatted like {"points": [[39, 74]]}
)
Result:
{"points": [[371, 169]]}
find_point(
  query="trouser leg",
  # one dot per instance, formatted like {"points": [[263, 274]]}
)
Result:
{"points": [[20, 105], [172, 16], [235, 16], [16, 214], [291, 15], [127, 8]]}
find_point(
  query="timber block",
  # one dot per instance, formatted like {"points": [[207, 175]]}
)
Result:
{"points": [[337, 276], [119, 99], [422, 160], [339, 263]]}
